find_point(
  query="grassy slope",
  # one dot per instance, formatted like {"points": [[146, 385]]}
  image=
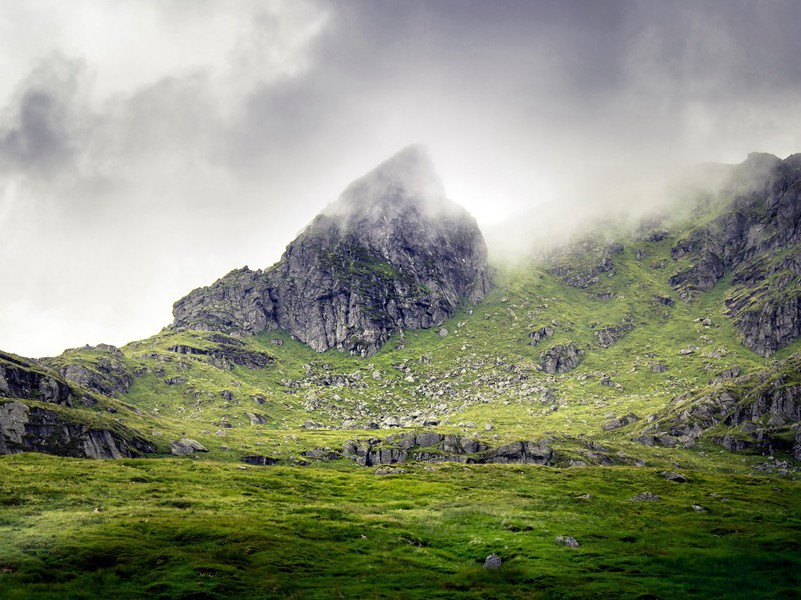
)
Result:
{"points": [[175, 528], [200, 529]]}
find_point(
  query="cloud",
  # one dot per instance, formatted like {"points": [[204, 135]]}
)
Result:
{"points": [[148, 147]]}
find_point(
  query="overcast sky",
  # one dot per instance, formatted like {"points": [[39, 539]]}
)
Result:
{"points": [[150, 146]]}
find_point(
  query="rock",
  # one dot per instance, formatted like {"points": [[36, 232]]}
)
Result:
{"points": [[101, 369], [567, 540], [698, 508], [582, 263], [256, 418], [391, 254], [31, 429], [610, 335], [389, 471], [658, 368], [621, 422], [277, 342], [536, 336], [186, 446], [443, 332], [20, 378], [264, 461], [677, 477], [493, 561], [521, 452], [561, 359], [646, 497]]}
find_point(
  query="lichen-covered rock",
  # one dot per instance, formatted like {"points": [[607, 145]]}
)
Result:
{"points": [[186, 446], [561, 359], [21, 378], [392, 253], [32, 429], [100, 369], [760, 411]]}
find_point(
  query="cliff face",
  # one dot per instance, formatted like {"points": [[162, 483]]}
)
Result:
{"points": [[391, 253], [758, 241]]}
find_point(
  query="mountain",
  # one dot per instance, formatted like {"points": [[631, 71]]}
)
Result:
{"points": [[383, 401], [392, 253]]}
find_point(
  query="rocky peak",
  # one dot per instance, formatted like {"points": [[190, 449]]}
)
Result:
{"points": [[391, 253]]}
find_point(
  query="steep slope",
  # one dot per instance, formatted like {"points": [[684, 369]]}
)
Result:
{"points": [[391, 254]]}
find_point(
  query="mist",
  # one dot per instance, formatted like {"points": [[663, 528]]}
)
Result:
{"points": [[147, 148]]}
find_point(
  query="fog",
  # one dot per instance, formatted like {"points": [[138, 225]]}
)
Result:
{"points": [[149, 147]]}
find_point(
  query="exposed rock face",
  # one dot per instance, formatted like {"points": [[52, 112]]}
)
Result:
{"points": [[561, 359], [105, 372], [391, 253], [758, 239], [27, 429], [432, 447], [758, 412], [22, 379]]}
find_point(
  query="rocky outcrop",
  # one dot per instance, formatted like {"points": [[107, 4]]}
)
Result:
{"points": [[429, 446], [391, 254], [20, 378], [561, 359], [32, 429], [608, 336], [226, 352], [100, 368], [64, 431], [186, 446], [757, 238], [760, 412], [582, 263]]}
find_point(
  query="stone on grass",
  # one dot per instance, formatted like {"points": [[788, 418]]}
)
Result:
{"points": [[186, 446], [493, 561], [646, 497], [567, 540]]}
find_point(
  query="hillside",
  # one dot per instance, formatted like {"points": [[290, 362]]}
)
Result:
{"points": [[504, 410]]}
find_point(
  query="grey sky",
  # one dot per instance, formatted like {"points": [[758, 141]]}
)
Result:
{"points": [[148, 146]]}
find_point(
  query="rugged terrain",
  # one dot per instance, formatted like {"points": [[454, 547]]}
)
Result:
{"points": [[380, 401]]}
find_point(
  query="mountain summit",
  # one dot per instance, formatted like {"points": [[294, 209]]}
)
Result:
{"points": [[392, 253]]}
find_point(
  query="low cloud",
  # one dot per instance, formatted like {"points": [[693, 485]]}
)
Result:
{"points": [[147, 148]]}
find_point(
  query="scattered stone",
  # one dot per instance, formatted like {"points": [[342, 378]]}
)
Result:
{"points": [[389, 471], [646, 497], [186, 446], [493, 561], [677, 477], [443, 332], [698, 508], [567, 540]]}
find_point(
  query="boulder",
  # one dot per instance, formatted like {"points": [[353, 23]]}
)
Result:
{"points": [[186, 446]]}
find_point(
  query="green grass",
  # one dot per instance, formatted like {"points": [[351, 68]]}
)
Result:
{"points": [[185, 528]]}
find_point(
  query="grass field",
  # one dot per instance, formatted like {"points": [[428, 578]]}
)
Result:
{"points": [[184, 528]]}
